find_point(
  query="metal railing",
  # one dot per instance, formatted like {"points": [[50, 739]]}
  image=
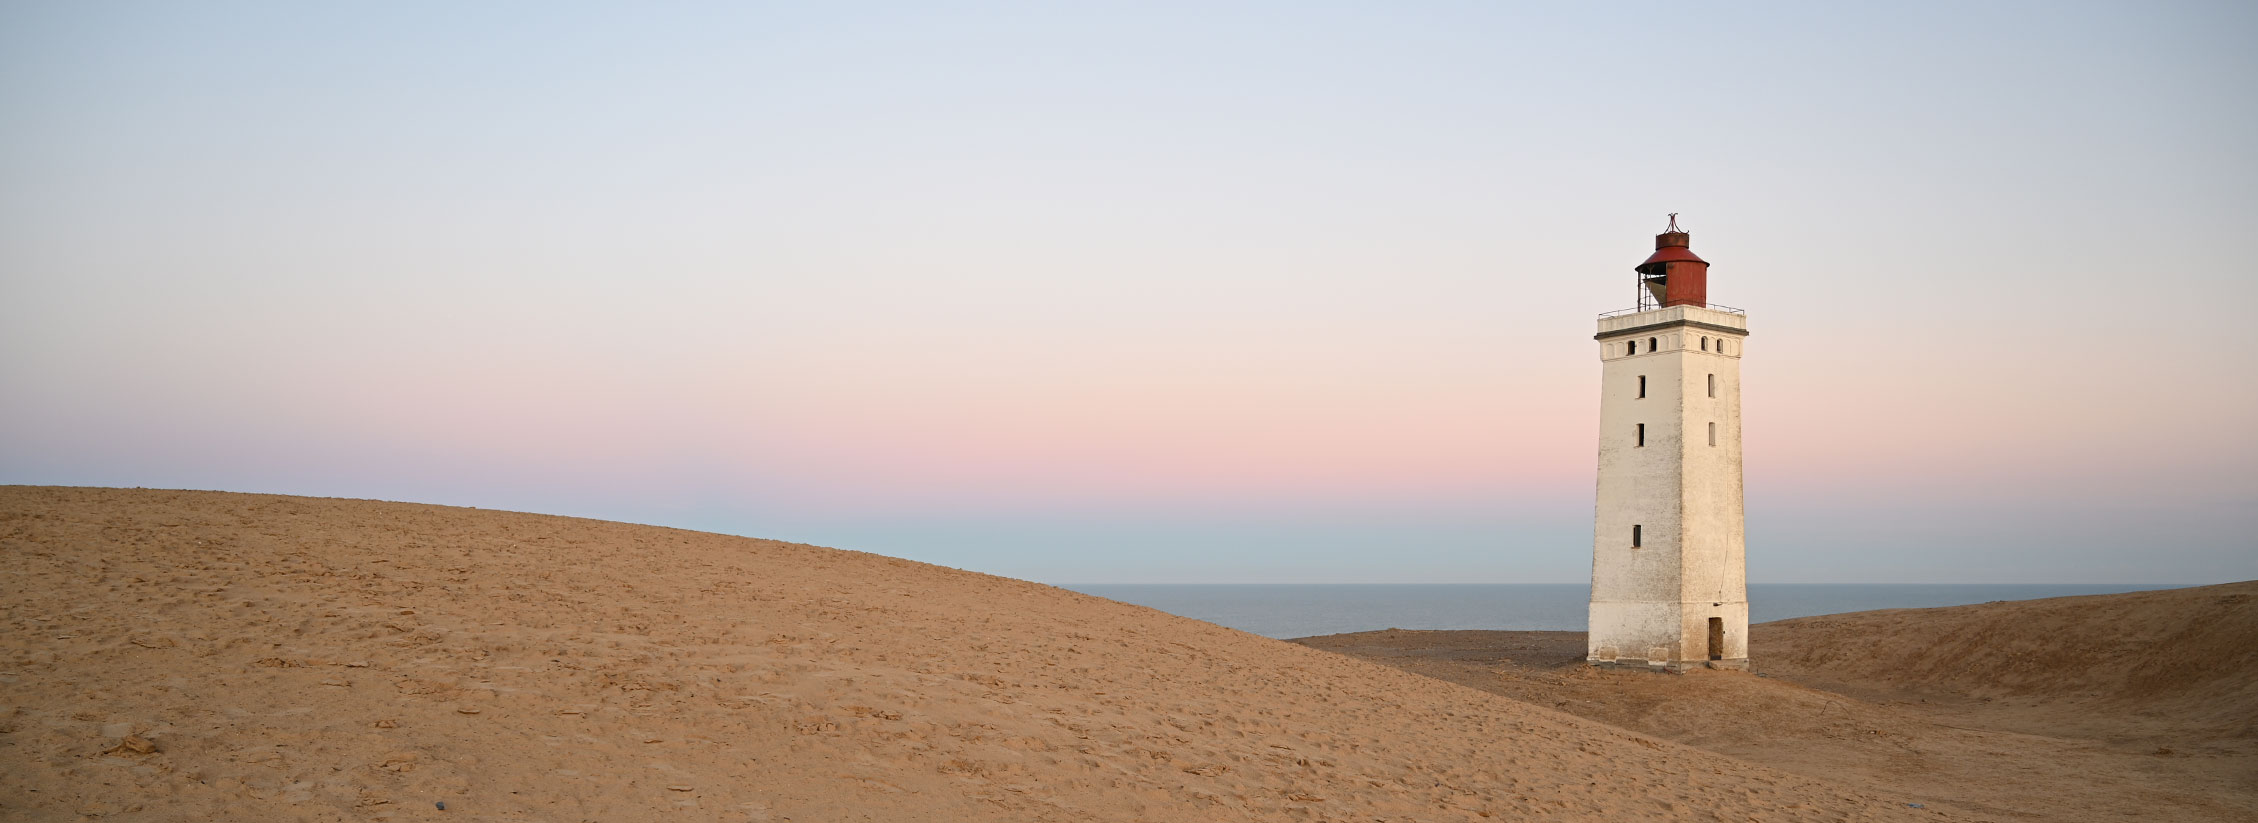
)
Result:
{"points": [[1637, 309]]}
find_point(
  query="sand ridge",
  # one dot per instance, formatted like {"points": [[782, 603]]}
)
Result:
{"points": [[2171, 663], [1967, 709], [189, 655]]}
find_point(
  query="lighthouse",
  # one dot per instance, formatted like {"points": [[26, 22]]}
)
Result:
{"points": [[1669, 568]]}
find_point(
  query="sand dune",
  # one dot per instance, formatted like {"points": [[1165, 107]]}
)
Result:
{"points": [[199, 655], [1981, 711], [2179, 661]]}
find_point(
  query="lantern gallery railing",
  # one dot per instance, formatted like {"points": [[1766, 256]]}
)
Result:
{"points": [[1637, 309]]}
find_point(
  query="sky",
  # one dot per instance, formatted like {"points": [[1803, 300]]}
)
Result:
{"points": [[1148, 292]]}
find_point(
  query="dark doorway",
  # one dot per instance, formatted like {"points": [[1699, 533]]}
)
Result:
{"points": [[1716, 638]]}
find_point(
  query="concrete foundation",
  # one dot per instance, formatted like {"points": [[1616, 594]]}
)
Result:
{"points": [[1637, 664]]}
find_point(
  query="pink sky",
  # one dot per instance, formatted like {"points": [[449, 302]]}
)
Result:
{"points": [[1112, 295]]}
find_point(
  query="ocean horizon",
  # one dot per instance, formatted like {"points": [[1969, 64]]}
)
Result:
{"points": [[1288, 610]]}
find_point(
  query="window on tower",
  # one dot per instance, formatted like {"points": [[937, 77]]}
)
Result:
{"points": [[1635, 535], [1642, 386], [1705, 344], [1634, 347], [1642, 434], [1712, 434], [1651, 344], [1713, 385]]}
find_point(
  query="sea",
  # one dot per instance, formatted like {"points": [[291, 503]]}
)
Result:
{"points": [[1306, 610]]}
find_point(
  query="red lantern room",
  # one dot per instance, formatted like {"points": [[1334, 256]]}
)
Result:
{"points": [[1673, 276]]}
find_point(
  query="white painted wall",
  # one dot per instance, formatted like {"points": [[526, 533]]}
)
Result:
{"points": [[1653, 603]]}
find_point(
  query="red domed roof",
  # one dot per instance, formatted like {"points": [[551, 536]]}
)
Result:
{"points": [[1673, 254]]}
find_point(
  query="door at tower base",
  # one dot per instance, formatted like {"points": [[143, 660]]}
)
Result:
{"points": [[1669, 570]]}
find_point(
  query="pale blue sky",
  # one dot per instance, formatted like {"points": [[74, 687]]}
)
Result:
{"points": [[1146, 292]]}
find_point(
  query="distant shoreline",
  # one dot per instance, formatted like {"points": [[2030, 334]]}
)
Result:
{"points": [[1290, 610]]}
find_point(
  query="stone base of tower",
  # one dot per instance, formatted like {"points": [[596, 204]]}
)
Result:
{"points": [[1671, 666], [1668, 635], [1628, 664]]}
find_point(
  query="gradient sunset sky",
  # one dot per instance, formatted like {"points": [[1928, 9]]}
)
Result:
{"points": [[1148, 292]]}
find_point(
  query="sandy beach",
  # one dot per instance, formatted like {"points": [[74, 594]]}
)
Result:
{"points": [[202, 655]]}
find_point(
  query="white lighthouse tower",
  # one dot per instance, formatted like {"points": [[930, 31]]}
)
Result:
{"points": [[1669, 568]]}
